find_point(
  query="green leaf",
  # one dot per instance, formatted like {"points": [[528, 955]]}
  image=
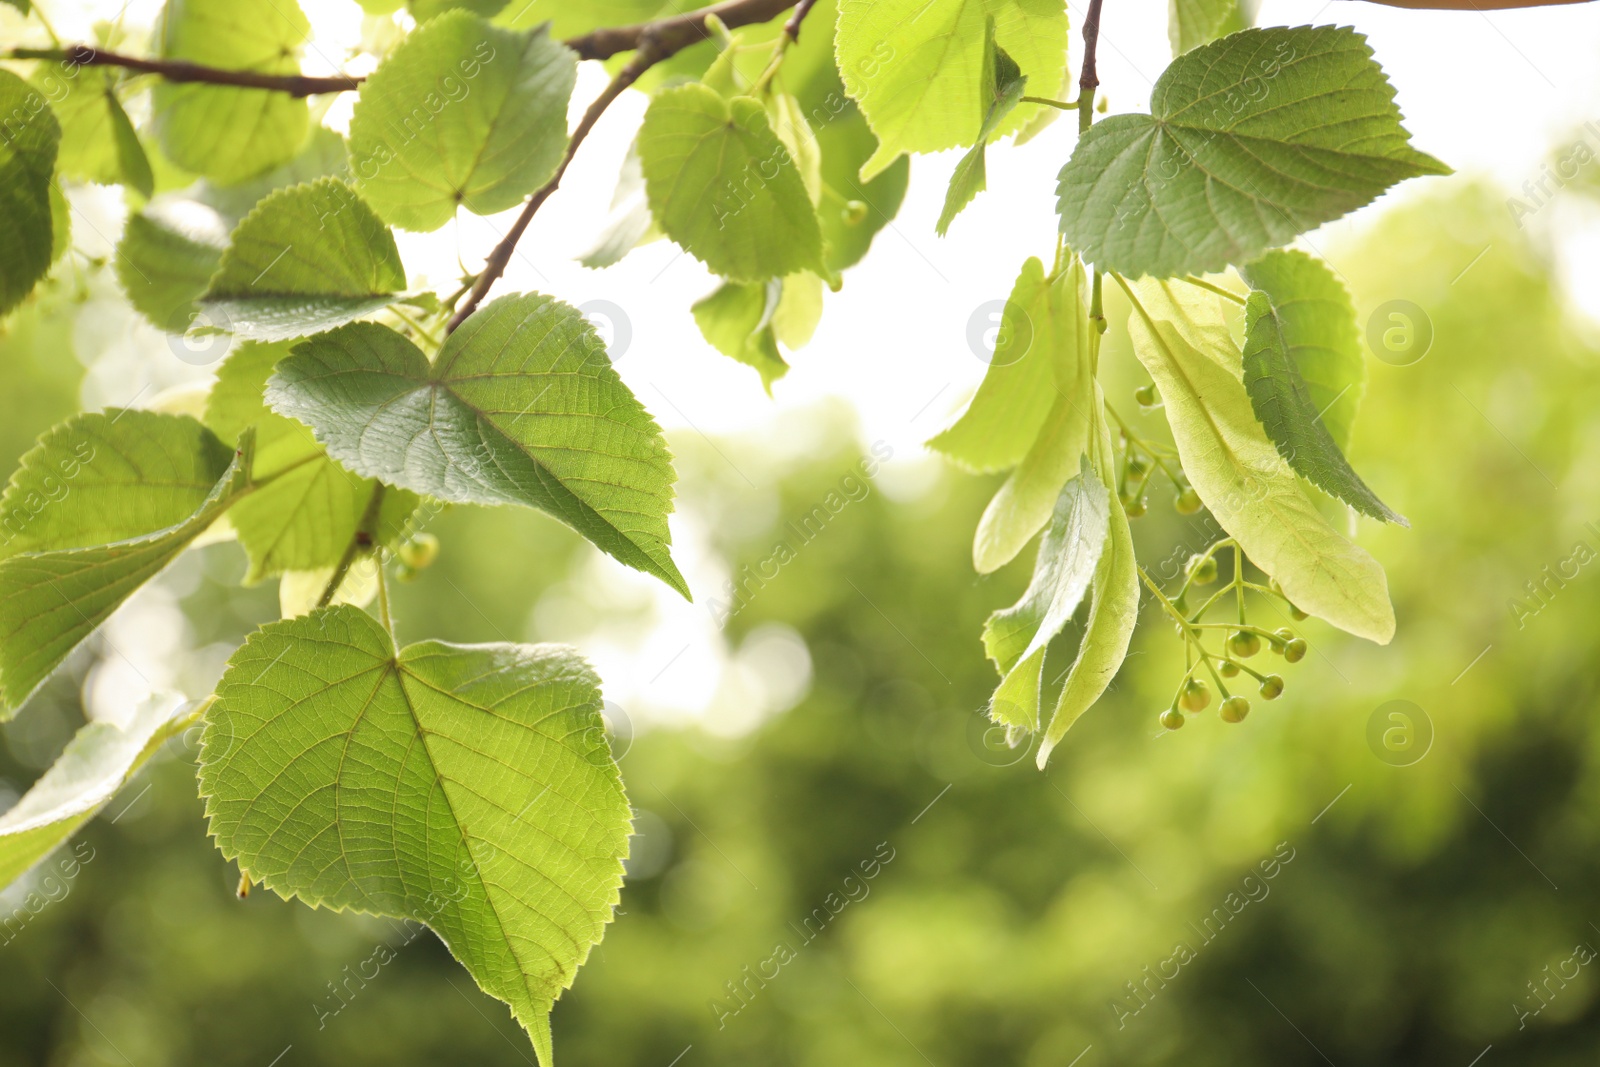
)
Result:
{"points": [[305, 509], [1251, 140], [917, 69], [307, 259], [1015, 638], [736, 320], [1181, 337], [1114, 605], [24, 6], [166, 257], [852, 212], [225, 133], [29, 140], [799, 310], [722, 185], [521, 406], [99, 760], [322, 155], [1023, 505], [51, 599], [1282, 402], [98, 142], [1002, 86], [461, 114], [104, 477], [1004, 417], [629, 224], [423, 10], [1192, 23], [467, 787], [1318, 323]]}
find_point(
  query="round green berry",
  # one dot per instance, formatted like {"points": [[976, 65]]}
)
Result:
{"points": [[1145, 395], [419, 551], [1297, 614], [1202, 569], [1229, 668], [1271, 687], [403, 573], [1196, 695], [1295, 650], [1138, 466], [1234, 709], [1187, 502], [1244, 644], [1172, 718], [1135, 506]]}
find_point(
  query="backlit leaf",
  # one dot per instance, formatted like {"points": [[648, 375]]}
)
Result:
{"points": [[467, 787], [28, 147]]}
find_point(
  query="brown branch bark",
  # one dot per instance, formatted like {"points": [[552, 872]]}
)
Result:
{"points": [[678, 32], [178, 70]]}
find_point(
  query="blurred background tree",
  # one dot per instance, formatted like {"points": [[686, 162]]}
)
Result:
{"points": [[1413, 914]]}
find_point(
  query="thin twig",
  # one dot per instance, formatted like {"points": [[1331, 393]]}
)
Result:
{"points": [[791, 29], [180, 70], [361, 541], [1089, 78], [678, 32], [660, 40]]}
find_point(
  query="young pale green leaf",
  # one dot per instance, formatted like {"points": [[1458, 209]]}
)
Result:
{"points": [[461, 114], [852, 212], [629, 224], [423, 10], [722, 185], [1004, 417], [1181, 337], [1001, 87], [916, 67], [98, 761], [29, 140], [104, 477], [1015, 638], [1023, 505], [225, 133], [1114, 606], [736, 320], [1192, 23], [799, 310], [53, 598], [521, 406], [323, 155], [307, 259], [1283, 404], [305, 509], [467, 787], [1251, 140], [166, 257], [98, 142], [1318, 323]]}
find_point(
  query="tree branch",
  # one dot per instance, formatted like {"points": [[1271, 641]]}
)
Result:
{"points": [[651, 44], [1089, 77], [678, 32], [179, 70]]}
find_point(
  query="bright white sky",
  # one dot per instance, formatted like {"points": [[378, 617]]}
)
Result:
{"points": [[1489, 93]]}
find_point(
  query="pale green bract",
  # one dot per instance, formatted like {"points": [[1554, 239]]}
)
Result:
{"points": [[98, 142], [226, 133], [1114, 603], [1001, 89], [522, 406], [721, 184], [1251, 140], [305, 509], [98, 761], [462, 114], [467, 787], [1181, 337], [54, 596], [1015, 638], [916, 67], [307, 259], [1023, 505], [1283, 404], [27, 162]]}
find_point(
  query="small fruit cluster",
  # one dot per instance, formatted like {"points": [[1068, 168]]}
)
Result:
{"points": [[414, 555], [1142, 460]]}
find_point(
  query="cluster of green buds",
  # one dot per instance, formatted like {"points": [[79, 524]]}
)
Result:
{"points": [[1143, 460], [415, 554], [1242, 641]]}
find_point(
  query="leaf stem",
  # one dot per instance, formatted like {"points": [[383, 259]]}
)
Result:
{"points": [[383, 597], [1063, 105], [360, 541], [1219, 290]]}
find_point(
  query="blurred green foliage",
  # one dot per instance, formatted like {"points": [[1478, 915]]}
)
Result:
{"points": [[1407, 910]]}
